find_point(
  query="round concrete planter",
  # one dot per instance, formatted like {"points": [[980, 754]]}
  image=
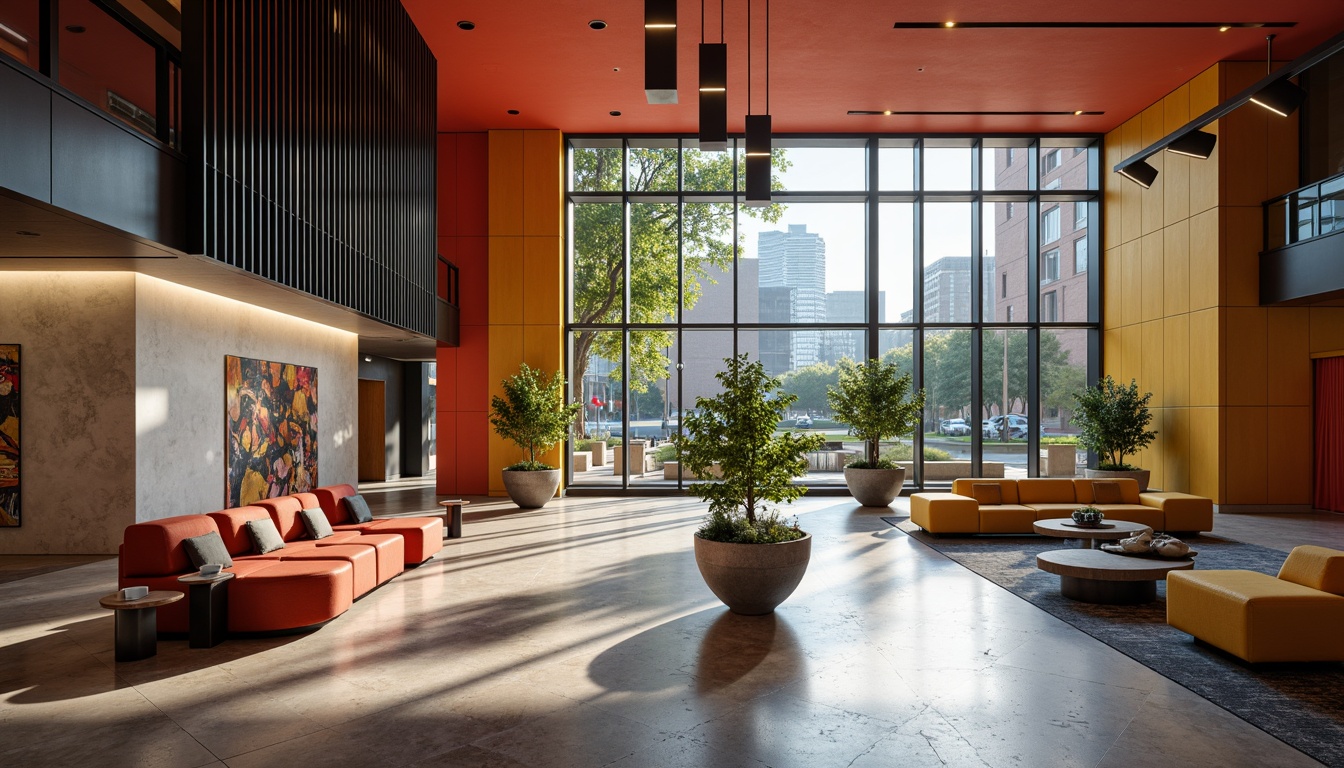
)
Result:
{"points": [[531, 490], [751, 579], [1140, 475], [874, 487]]}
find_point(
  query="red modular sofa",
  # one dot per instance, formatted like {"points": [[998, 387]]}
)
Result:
{"points": [[423, 535], [306, 583]]}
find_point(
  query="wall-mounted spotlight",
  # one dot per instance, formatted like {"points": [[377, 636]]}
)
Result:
{"points": [[1199, 144], [660, 51], [1140, 173], [1281, 97]]}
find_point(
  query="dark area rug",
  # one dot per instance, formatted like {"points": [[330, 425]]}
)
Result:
{"points": [[895, 521], [1300, 704]]}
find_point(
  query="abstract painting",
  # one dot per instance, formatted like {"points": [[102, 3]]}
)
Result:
{"points": [[270, 429], [10, 516]]}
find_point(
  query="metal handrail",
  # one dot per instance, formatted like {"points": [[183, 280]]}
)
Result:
{"points": [[1305, 213]]}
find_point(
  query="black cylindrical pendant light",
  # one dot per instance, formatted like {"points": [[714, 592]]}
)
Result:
{"points": [[713, 97], [660, 51], [758, 127]]}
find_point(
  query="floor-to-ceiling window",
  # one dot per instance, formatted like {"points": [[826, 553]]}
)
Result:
{"points": [[969, 262]]}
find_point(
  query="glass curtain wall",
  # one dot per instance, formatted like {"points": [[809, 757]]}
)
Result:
{"points": [[966, 261]]}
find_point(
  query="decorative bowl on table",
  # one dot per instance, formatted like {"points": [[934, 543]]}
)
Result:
{"points": [[1088, 517]]}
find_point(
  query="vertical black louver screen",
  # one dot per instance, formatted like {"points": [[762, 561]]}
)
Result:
{"points": [[314, 122]]}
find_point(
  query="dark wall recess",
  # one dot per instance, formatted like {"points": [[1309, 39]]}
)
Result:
{"points": [[314, 123]]}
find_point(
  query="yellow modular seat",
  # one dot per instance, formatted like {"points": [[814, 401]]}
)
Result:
{"points": [[1006, 505], [1298, 616]]}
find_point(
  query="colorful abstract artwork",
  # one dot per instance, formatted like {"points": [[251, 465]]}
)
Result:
{"points": [[10, 516], [270, 429]]}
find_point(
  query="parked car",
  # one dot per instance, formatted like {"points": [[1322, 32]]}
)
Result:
{"points": [[991, 428], [803, 422], [954, 427]]}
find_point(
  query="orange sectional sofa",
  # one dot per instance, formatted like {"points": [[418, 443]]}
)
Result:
{"points": [[1023, 502], [303, 584], [423, 535]]}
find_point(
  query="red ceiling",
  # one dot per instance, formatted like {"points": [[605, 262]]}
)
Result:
{"points": [[540, 57]]}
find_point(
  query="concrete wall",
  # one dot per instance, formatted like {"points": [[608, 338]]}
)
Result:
{"points": [[182, 336], [77, 384]]}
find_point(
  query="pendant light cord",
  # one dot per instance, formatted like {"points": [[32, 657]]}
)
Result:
{"points": [[748, 57], [1269, 60], [767, 57]]}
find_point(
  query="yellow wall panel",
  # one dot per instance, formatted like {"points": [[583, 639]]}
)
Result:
{"points": [[1206, 452], [1204, 289], [502, 454], [506, 182], [1131, 198], [1176, 361], [1176, 456], [1205, 358], [1244, 159], [1288, 356], [1112, 351], [1204, 178], [1245, 336], [1152, 207], [543, 181], [541, 347], [1112, 279], [543, 281], [1246, 456], [1176, 268], [1240, 240], [1327, 329], [1131, 293], [1289, 467], [1151, 354], [506, 280], [1151, 277], [506, 352], [1176, 187], [1204, 91], [1131, 359]]}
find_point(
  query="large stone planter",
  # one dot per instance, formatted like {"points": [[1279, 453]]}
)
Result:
{"points": [[1140, 475], [531, 490], [751, 579], [599, 449], [874, 487], [637, 464]]}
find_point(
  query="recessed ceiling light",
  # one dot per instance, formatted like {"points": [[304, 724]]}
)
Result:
{"points": [[949, 24], [466, 25], [1078, 112], [1091, 24], [597, 24], [1223, 28], [615, 113], [75, 29], [513, 112]]}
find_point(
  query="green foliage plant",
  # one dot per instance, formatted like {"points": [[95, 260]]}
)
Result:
{"points": [[876, 401], [736, 430], [533, 414], [1113, 420], [906, 452]]}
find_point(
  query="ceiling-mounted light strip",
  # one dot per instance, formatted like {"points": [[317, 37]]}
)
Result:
{"points": [[1221, 26], [660, 51], [1075, 113]]}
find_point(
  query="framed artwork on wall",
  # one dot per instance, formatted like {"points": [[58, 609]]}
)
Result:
{"points": [[270, 429], [10, 513]]}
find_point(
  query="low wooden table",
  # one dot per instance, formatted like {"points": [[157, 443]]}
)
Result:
{"points": [[1093, 576], [452, 528], [1061, 528], [137, 622], [209, 608]]}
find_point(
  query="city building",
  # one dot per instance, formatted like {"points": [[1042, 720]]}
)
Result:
{"points": [[251, 248]]}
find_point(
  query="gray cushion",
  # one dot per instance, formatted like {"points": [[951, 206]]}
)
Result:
{"points": [[359, 508], [316, 523], [208, 548], [265, 536]]}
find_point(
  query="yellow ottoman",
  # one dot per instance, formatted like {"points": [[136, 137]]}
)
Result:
{"points": [[945, 513], [1181, 511]]}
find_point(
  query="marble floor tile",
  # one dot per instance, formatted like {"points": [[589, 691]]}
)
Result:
{"points": [[581, 634]]}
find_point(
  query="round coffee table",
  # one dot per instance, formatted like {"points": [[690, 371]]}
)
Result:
{"points": [[1093, 576], [1063, 528]]}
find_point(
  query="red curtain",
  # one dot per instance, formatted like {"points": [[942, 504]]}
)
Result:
{"points": [[1330, 434]]}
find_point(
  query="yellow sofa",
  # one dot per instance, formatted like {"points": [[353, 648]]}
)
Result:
{"points": [[1298, 616], [1024, 501]]}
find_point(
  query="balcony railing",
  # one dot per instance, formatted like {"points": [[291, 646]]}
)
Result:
{"points": [[1306, 213]]}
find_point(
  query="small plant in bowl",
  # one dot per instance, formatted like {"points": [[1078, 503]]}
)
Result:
{"points": [[1090, 516]]}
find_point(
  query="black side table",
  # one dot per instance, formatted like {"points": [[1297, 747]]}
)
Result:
{"points": [[209, 608], [453, 522], [137, 622]]}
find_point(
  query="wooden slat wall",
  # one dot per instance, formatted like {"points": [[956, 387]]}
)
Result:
{"points": [[314, 123]]}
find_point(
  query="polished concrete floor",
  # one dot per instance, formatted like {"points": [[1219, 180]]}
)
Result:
{"points": [[581, 635]]}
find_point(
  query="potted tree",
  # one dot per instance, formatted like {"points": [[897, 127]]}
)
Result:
{"points": [[876, 402], [750, 557], [534, 416], [1113, 420]]}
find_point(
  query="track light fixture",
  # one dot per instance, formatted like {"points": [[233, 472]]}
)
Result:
{"points": [[1198, 144], [660, 51], [758, 127], [713, 88], [1280, 97], [1140, 173]]}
